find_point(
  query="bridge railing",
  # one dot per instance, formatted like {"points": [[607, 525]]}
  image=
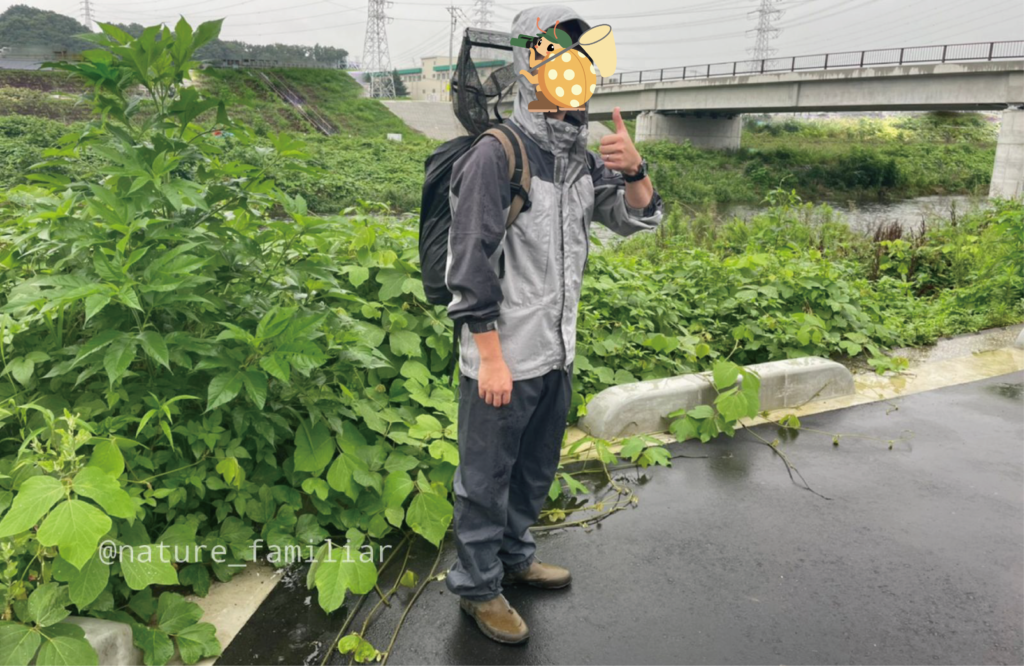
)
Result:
{"points": [[844, 60]]}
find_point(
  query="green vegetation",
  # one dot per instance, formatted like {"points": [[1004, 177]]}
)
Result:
{"points": [[29, 30], [192, 361], [835, 160], [22, 26]]}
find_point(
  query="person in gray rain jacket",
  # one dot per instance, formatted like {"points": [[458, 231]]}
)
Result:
{"points": [[516, 291]]}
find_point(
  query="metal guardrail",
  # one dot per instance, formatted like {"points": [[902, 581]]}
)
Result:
{"points": [[980, 51]]}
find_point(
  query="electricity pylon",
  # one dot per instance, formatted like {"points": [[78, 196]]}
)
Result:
{"points": [[376, 58]]}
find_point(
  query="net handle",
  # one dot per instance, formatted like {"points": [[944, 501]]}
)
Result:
{"points": [[574, 44]]}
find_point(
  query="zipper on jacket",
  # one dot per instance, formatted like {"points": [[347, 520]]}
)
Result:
{"points": [[560, 164]]}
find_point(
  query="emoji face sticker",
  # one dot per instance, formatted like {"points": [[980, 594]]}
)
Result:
{"points": [[565, 78]]}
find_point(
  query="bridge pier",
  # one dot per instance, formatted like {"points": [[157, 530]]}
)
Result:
{"points": [[1008, 174], [718, 133]]}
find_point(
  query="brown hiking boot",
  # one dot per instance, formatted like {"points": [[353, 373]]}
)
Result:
{"points": [[499, 621], [538, 574]]}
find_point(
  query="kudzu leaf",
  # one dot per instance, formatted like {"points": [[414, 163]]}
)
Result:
{"points": [[86, 585], [157, 648], [75, 527], [35, 497], [725, 374], [174, 612], [197, 642], [397, 487], [48, 604], [107, 456], [94, 483], [18, 643], [147, 565], [313, 447], [429, 516], [65, 650], [404, 343]]}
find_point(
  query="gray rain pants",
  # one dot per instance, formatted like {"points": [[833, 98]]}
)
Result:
{"points": [[507, 460]]}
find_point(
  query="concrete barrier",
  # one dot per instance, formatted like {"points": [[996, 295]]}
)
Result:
{"points": [[643, 407], [111, 640]]}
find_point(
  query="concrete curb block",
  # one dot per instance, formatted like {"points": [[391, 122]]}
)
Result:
{"points": [[111, 640], [1019, 343], [643, 407]]}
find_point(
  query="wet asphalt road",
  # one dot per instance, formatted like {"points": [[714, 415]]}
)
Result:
{"points": [[917, 558]]}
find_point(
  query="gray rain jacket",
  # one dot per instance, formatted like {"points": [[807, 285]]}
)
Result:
{"points": [[533, 304]]}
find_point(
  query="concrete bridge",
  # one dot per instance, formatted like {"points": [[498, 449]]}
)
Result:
{"points": [[703, 105]]}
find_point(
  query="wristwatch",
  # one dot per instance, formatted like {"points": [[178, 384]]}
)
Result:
{"points": [[640, 174]]}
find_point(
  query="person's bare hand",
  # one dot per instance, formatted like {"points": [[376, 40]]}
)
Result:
{"points": [[495, 382], [617, 150]]}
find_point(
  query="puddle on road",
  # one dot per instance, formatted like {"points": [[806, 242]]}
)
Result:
{"points": [[1011, 391]]}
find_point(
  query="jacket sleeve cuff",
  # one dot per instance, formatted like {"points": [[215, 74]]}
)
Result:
{"points": [[482, 326]]}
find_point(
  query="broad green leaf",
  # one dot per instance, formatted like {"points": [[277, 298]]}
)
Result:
{"points": [[18, 643], [94, 483], [154, 345], [75, 527], [725, 374], [358, 275], [317, 486], [277, 366], [196, 575], [66, 651], [308, 531], [48, 604], [223, 388], [256, 386], [147, 565], [22, 369], [426, 427], [34, 498], [443, 450], [343, 570], [86, 585], [107, 456], [397, 487], [339, 476], [416, 370], [119, 356], [197, 642], [157, 648], [701, 412], [313, 447], [174, 613], [429, 516], [404, 343]]}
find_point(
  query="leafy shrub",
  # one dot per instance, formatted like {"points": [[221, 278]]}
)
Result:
{"points": [[183, 370]]}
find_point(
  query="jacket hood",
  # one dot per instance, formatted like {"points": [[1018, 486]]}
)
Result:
{"points": [[552, 135]]}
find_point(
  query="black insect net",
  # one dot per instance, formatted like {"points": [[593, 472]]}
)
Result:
{"points": [[476, 103]]}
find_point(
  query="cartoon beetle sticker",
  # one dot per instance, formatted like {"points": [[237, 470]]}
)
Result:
{"points": [[566, 78]]}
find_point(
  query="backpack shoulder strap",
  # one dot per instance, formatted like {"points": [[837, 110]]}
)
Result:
{"points": [[518, 169]]}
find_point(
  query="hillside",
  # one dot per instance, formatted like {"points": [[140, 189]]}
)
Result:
{"points": [[23, 27]]}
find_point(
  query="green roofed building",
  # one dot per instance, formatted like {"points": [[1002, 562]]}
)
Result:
{"points": [[430, 82]]}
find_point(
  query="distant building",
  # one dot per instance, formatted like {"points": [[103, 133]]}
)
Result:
{"points": [[430, 82]]}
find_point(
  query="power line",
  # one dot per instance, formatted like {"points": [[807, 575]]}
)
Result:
{"points": [[376, 59]]}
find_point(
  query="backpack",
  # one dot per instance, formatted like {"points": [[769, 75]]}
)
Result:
{"points": [[435, 206]]}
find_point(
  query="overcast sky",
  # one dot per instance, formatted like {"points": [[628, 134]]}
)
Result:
{"points": [[649, 33]]}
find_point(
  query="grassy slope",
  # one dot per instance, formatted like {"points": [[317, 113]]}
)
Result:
{"points": [[826, 160]]}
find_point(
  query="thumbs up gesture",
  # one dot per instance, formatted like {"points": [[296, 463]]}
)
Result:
{"points": [[617, 150]]}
